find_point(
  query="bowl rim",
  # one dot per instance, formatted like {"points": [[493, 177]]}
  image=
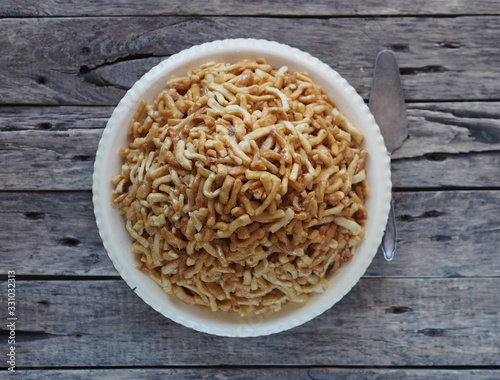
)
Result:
{"points": [[100, 181]]}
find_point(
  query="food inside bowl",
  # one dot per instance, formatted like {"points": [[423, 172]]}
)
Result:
{"points": [[242, 187]]}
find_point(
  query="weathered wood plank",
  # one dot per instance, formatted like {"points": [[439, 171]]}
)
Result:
{"points": [[51, 234], [453, 128], [38, 160], [449, 144], [30, 8], [94, 60], [441, 234], [435, 170], [450, 233], [20, 118], [261, 374], [49, 147], [449, 127], [398, 322]]}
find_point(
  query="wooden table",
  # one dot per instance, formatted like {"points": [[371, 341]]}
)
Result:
{"points": [[432, 313]]}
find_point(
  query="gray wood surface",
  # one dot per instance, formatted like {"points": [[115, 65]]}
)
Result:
{"points": [[261, 374], [63, 238], [449, 144], [12, 8], [432, 313], [391, 322], [71, 61]]}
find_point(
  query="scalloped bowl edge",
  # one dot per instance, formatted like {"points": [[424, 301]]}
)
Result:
{"points": [[117, 242]]}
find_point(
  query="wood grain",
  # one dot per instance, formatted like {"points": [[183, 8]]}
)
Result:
{"points": [[399, 322], [48, 148], [431, 313], [21, 118], [441, 234], [451, 128], [438, 170], [449, 145], [61, 160], [51, 234], [30, 8], [94, 60], [254, 373]]}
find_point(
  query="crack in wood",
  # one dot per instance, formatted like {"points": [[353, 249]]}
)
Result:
{"points": [[422, 70], [43, 126], [435, 156], [450, 44], [432, 332], [487, 134], [83, 157], [398, 310], [442, 156], [426, 214], [431, 214], [41, 80], [400, 47], [441, 238], [474, 114], [85, 69], [33, 335], [33, 215], [93, 73], [69, 241], [94, 78]]}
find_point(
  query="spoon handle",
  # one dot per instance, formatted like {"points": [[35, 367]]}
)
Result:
{"points": [[389, 239]]}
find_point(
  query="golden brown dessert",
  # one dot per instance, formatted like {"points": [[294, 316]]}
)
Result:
{"points": [[242, 187]]}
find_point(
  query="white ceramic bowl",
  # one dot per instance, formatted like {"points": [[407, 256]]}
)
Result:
{"points": [[117, 241]]}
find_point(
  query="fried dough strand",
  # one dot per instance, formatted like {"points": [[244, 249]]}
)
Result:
{"points": [[242, 187]]}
